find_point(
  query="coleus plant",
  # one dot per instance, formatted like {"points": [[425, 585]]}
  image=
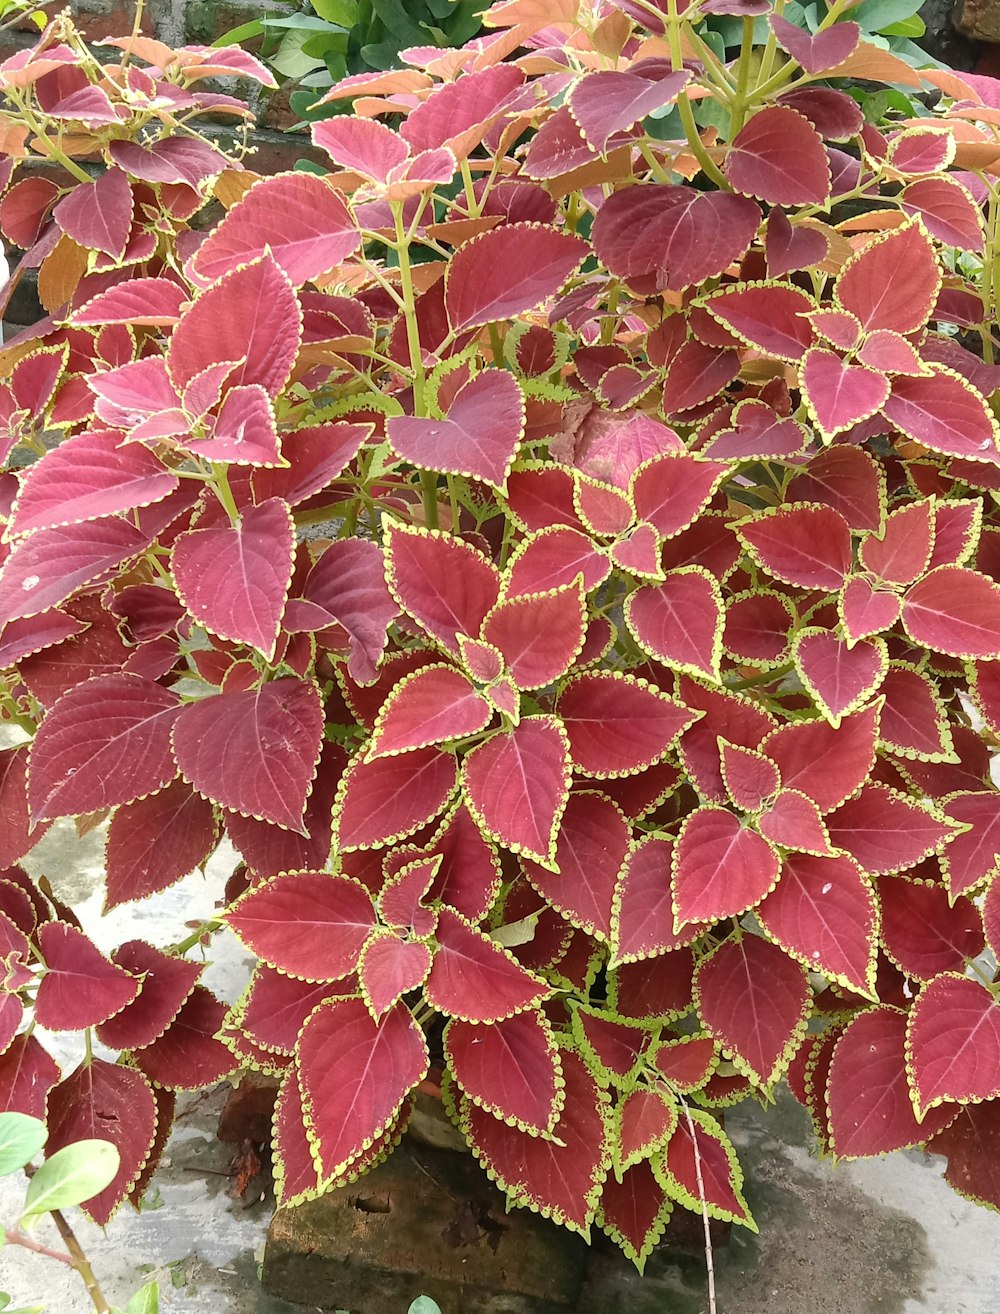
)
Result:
{"points": [[558, 550]]}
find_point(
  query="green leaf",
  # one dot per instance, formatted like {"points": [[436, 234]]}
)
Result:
{"points": [[72, 1175], [397, 20], [21, 1138], [424, 1305], [245, 32], [876, 15], [290, 61], [146, 1301], [342, 12], [5, 1307]]}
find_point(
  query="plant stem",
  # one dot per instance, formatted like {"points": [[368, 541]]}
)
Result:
{"points": [[81, 1263], [709, 167], [206, 928], [740, 104], [428, 480], [709, 1258]]}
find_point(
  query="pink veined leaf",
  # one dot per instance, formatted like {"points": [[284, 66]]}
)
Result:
{"points": [[27, 1074], [696, 375], [886, 832], [956, 532], [402, 899], [552, 557], [234, 578], [254, 751], [80, 986], [769, 316], [824, 912], [539, 634], [686, 1063], [364, 146], [945, 413], [251, 316], [457, 113], [298, 217], [355, 1074], [809, 546], [915, 152], [557, 148], [788, 248], [778, 156], [953, 1043], [900, 553], [474, 978], [948, 210], [665, 238], [167, 983], [606, 103], [754, 1000], [728, 715], [846, 479], [516, 786], [155, 841], [243, 432], [508, 271], [389, 969], [955, 611], [914, 720], [826, 763], [478, 437], [890, 353], [510, 1068], [98, 215], [750, 777], [793, 821], [188, 1054], [867, 1093], [893, 282], [643, 921], [840, 394], [102, 1101], [680, 621], [591, 849], [973, 853], [52, 564], [156, 302], [169, 160], [865, 611], [445, 584], [709, 1173], [391, 797], [277, 1006], [720, 869], [17, 836], [213, 61], [618, 725], [924, 933], [561, 1178], [839, 677], [819, 52], [106, 741], [670, 491], [307, 924], [428, 707]]}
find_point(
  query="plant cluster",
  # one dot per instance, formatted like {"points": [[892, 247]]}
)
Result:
{"points": [[559, 549]]}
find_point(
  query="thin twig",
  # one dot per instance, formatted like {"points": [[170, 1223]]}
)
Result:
{"points": [[709, 1258], [81, 1263]]}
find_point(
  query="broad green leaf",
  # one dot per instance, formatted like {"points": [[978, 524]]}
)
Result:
{"points": [[291, 61], [342, 12], [876, 15], [245, 32], [424, 1305], [146, 1301], [21, 1138], [72, 1175]]}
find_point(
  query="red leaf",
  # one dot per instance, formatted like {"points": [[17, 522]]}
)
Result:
{"points": [[816, 52], [945, 413], [607, 103], [299, 218], [838, 393], [701, 1170], [955, 611], [591, 848], [457, 113], [560, 1178], [169, 160], [848, 480], [886, 832], [972, 1144], [923, 932], [277, 1006], [468, 878], [86, 477], [610, 1045], [838, 676], [428, 707], [473, 978], [825, 914], [446, 585], [757, 627], [659, 987], [864, 611], [234, 578], [516, 785], [242, 432], [355, 1074], [80, 987], [793, 821], [826, 764], [27, 1074], [868, 1096], [254, 751], [789, 248], [769, 316], [974, 853], [508, 271], [643, 920], [52, 564], [103, 1102], [900, 553], [643, 1120], [307, 924], [106, 741], [953, 1043], [670, 491], [555, 556], [167, 982], [295, 1173], [687, 1063], [720, 869], [391, 797], [539, 634], [696, 375], [779, 157], [731, 716], [809, 546], [98, 215], [664, 238], [188, 1055], [948, 210], [634, 1211], [893, 282], [390, 968], [154, 302], [250, 316], [363, 146], [750, 778], [510, 1068], [16, 834], [155, 841], [478, 437], [753, 999], [914, 720], [617, 724], [315, 456], [680, 621]]}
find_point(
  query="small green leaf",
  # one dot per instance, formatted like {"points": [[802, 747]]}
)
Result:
{"points": [[424, 1305], [146, 1301], [245, 32], [342, 12], [72, 1175], [21, 1138]]}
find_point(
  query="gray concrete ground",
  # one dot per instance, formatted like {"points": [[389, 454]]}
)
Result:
{"points": [[881, 1237]]}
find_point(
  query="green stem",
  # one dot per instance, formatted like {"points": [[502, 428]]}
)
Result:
{"points": [[496, 346], [765, 677], [708, 165], [428, 480], [220, 482], [206, 928], [741, 102]]}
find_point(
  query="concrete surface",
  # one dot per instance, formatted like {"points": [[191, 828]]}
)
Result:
{"points": [[881, 1237]]}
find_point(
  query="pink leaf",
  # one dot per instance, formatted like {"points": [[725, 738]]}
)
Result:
{"points": [[155, 841], [788, 249], [839, 677], [893, 282], [169, 160], [944, 413], [820, 52], [607, 103], [953, 1042], [156, 302], [243, 432], [680, 621], [826, 763], [445, 584], [98, 215], [617, 724], [539, 634], [474, 978], [884, 831], [769, 316], [364, 146], [720, 869], [837, 393], [391, 797], [80, 987], [955, 611], [428, 707], [671, 491], [390, 968], [779, 157], [509, 1068], [643, 922], [809, 546], [508, 271]]}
